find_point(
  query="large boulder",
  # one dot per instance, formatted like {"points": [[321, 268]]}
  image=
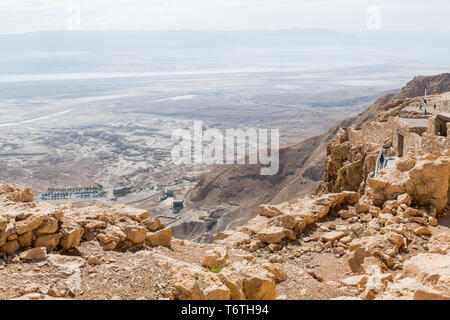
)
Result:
{"points": [[49, 241], [17, 193], [29, 224], [153, 224], [34, 254], [215, 257], [422, 180], [425, 276], [271, 234], [130, 212], [10, 247], [160, 238], [25, 239], [234, 283], [333, 235], [71, 237], [269, 211], [48, 225], [258, 284], [136, 234]]}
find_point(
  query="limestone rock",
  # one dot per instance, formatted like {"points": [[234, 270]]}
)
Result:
{"points": [[405, 163], [215, 257], [285, 221], [34, 254], [36, 296], [424, 277], [269, 210], [357, 258], [48, 225], [17, 193], [49, 241], [346, 214], [332, 236], [439, 243], [71, 237], [362, 207], [355, 281], [153, 224], [213, 288], [135, 234], [430, 294], [25, 239], [234, 283], [276, 270], [10, 247], [271, 234], [130, 212], [160, 238], [3, 222], [259, 285], [422, 231], [404, 199], [186, 285], [29, 224]]}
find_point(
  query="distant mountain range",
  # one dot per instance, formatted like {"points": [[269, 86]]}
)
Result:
{"points": [[183, 39]]}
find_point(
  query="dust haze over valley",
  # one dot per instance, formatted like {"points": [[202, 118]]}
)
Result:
{"points": [[78, 112]]}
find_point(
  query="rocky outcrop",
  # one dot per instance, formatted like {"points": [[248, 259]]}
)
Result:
{"points": [[425, 179], [284, 222], [33, 232], [347, 165], [26, 224], [16, 193], [425, 276], [240, 280]]}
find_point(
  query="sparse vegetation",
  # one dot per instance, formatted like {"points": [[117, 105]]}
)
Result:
{"points": [[212, 223], [215, 269], [122, 192]]}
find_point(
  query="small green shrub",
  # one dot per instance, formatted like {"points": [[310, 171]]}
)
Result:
{"points": [[215, 269]]}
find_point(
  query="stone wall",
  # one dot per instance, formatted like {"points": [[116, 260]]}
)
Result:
{"points": [[416, 140], [371, 132]]}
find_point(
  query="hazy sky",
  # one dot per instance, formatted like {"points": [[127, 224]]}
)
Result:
{"points": [[344, 15]]}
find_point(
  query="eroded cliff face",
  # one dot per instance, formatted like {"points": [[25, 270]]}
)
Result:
{"points": [[347, 165]]}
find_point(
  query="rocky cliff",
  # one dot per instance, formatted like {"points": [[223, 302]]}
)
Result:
{"points": [[362, 236], [231, 193]]}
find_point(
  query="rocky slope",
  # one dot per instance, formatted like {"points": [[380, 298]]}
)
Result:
{"points": [[100, 252], [360, 237], [230, 194], [394, 238]]}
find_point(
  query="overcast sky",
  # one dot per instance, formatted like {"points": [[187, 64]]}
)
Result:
{"points": [[17, 16]]}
